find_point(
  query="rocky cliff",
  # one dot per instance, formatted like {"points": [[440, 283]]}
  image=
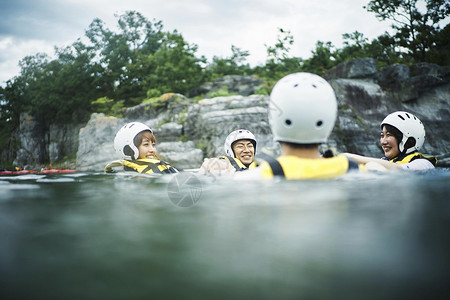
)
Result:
{"points": [[188, 131]]}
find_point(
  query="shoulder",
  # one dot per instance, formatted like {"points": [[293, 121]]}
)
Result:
{"points": [[418, 164]]}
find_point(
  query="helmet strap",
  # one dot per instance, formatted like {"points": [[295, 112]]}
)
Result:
{"points": [[128, 151]]}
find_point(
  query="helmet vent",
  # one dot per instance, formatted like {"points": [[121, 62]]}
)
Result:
{"points": [[296, 85], [401, 117], [319, 123], [288, 122], [314, 86]]}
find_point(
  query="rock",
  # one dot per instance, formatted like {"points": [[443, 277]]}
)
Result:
{"points": [[168, 105], [168, 132], [408, 84], [211, 120], [359, 68], [392, 77], [182, 155], [96, 142], [63, 141], [234, 84], [32, 138]]}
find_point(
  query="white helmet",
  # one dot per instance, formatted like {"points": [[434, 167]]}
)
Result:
{"points": [[124, 140], [240, 134], [302, 109], [410, 126]]}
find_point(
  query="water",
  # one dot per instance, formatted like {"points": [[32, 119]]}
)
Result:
{"points": [[99, 236]]}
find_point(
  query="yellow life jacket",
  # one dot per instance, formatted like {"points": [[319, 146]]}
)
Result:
{"points": [[293, 167], [403, 159], [237, 164], [144, 166]]}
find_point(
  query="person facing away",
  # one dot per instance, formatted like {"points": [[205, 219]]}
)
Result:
{"points": [[135, 143], [402, 136], [240, 149], [302, 114]]}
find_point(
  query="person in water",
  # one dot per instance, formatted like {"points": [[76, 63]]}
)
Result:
{"points": [[135, 143], [302, 114], [402, 136], [240, 149]]}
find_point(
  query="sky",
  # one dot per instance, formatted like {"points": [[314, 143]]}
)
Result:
{"points": [[31, 26]]}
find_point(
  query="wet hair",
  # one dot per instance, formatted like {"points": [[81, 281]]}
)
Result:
{"points": [[142, 135]]}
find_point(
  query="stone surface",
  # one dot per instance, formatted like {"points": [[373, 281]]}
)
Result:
{"points": [[96, 142], [234, 84], [188, 131]]}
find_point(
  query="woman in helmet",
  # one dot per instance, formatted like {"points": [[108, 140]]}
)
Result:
{"points": [[240, 148], [402, 136], [302, 113], [135, 143]]}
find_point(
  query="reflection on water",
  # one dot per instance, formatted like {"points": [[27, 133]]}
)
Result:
{"points": [[97, 236]]}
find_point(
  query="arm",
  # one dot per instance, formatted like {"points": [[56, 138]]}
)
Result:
{"points": [[216, 166], [371, 161]]}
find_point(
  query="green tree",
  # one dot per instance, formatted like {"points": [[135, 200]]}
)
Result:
{"points": [[279, 61], [122, 55], [440, 54], [416, 27], [236, 64], [282, 47], [176, 68], [323, 59]]}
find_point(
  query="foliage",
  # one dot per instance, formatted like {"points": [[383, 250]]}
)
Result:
{"points": [[416, 30], [176, 69], [222, 92], [108, 106], [233, 65]]}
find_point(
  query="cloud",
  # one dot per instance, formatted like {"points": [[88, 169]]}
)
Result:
{"points": [[214, 25]]}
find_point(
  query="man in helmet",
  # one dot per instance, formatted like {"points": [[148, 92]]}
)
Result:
{"points": [[240, 148], [135, 143], [302, 113], [402, 136]]}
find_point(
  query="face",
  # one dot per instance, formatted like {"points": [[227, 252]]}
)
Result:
{"points": [[389, 144], [147, 149], [244, 151]]}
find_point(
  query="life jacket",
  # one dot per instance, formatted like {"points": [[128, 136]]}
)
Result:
{"points": [[237, 164], [144, 166], [293, 167], [406, 158]]}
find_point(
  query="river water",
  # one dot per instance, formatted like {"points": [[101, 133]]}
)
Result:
{"points": [[129, 236]]}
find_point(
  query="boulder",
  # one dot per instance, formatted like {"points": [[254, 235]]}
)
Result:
{"points": [[32, 138], [233, 84], [365, 68], [408, 84], [96, 142]]}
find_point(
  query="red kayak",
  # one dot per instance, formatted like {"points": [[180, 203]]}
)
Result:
{"points": [[45, 171]]}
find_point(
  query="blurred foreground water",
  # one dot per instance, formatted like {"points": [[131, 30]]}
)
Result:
{"points": [[120, 236]]}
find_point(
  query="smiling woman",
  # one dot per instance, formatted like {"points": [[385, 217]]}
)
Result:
{"points": [[402, 136], [135, 143]]}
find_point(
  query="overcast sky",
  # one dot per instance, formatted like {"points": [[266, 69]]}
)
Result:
{"points": [[31, 26]]}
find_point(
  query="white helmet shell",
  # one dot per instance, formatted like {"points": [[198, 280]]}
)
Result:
{"points": [[410, 126], [302, 109], [240, 134], [124, 140]]}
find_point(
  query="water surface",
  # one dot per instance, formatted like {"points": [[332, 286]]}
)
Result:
{"points": [[120, 236]]}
